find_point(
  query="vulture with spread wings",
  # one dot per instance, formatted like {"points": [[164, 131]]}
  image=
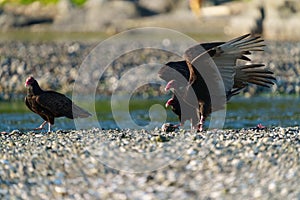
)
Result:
{"points": [[210, 71], [50, 104]]}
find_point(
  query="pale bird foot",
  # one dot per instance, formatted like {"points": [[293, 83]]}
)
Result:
{"points": [[260, 126], [41, 126], [38, 128], [200, 127]]}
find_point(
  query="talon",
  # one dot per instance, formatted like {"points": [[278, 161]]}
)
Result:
{"points": [[41, 126], [260, 126]]}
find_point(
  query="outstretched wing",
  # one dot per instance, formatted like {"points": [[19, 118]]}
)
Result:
{"points": [[224, 55], [171, 69], [60, 105]]}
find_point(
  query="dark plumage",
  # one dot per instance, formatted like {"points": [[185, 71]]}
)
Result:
{"points": [[188, 78], [50, 104]]}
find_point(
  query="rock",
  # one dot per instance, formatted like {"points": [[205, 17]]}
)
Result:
{"points": [[64, 10], [6, 20], [94, 16], [158, 6], [276, 20], [100, 15], [248, 20], [13, 16]]}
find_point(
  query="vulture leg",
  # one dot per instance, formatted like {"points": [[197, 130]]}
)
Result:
{"points": [[41, 126], [201, 123], [201, 117], [49, 127]]}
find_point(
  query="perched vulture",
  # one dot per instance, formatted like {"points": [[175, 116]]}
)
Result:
{"points": [[186, 77], [50, 104]]}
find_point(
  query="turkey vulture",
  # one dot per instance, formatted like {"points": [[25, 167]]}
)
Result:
{"points": [[189, 76], [50, 104]]}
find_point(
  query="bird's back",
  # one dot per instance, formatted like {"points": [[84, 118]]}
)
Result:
{"points": [[60, 105]]}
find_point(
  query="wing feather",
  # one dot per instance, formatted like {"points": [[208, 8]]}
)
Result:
{"points": [[226, 54], [238, 39], [60, 105], [253, 73]]}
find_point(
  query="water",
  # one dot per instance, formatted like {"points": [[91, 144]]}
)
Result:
{"points": [[241, 113], [269, 111]]}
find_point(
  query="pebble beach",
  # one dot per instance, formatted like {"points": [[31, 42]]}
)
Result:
{"points": [[215, 164], [237, 162], [55, 65]]}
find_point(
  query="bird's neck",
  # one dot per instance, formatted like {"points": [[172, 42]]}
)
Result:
{"points": [[34, 89]]}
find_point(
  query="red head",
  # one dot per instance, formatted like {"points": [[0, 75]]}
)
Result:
{"points": [[30, 80], [170, 102], [171, 84]]}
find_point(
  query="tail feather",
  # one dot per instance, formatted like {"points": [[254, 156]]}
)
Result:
{"points": [[79, 112]]}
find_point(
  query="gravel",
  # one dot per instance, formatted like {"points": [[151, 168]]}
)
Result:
{"points": [[93, 164], [55, 65]]}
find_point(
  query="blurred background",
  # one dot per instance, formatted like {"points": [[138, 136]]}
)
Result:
{"points": [[275, 19], [49, 39]]}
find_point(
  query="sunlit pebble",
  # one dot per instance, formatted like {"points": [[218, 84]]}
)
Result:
{"points": [[284, 191], [15, 132], [38, 135], [191, 151], [282, 130], [60, 190], [73, 48], [192, 165], [272, 186], [257, 193]]}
